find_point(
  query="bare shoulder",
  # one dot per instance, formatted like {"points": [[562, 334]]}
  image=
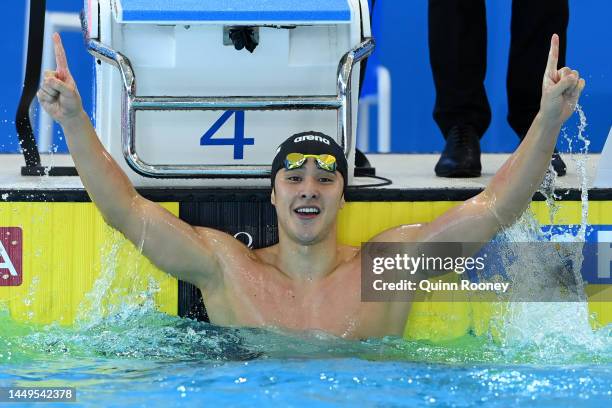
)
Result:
{"points": [[349, 262], [348, 253], [267, 255], [232, 254], [221, 242], [401, 233]]}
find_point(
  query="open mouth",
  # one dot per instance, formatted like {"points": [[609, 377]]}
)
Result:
{"points": [[307, 212]]}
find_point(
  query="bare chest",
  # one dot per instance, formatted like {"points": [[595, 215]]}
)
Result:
{"points": [[260, 298]]}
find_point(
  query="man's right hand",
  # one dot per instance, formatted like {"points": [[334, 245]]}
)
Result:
{"points": [[58, 94]]}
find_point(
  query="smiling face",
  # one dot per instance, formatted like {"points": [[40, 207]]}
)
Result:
{"points": [[307, 200]]}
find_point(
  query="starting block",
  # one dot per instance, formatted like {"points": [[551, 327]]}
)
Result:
{"points": [[207, 89]]}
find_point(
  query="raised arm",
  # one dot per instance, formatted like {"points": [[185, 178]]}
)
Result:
{"points": [[171, 244], [511, 189]]}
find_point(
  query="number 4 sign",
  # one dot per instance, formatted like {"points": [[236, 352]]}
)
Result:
{"points": [[10, 256], [238, 141]]}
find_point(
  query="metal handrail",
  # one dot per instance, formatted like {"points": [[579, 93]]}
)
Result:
{"points": [[132, 103]]}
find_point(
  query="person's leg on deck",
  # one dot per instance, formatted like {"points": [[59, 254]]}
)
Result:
{"points": [[458, 57], [533, 23]]}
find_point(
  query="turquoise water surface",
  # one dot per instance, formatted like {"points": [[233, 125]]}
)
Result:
{"points": [[151, 359]]}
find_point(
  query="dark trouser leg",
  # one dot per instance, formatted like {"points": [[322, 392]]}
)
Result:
{"points": [[533, 23], [360, 158], [458, 56], [364, 63]]}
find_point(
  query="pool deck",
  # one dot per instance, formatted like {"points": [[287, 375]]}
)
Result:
{"points": [[409, 173]]}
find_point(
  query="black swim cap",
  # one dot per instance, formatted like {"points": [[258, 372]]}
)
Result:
{"points": [[310, 142]]}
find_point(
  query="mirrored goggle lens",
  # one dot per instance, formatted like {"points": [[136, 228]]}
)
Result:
{"points": [[326, 162], [323, 161], [294, 161]]}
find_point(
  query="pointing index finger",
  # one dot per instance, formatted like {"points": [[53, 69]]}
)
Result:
{"points": [[553, 57], [60, 57]]}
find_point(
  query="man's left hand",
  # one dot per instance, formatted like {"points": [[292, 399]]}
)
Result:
{"points": [[560, 88]]}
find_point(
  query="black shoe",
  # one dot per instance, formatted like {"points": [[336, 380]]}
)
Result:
{"points": [[461, 155], [558, 164]]}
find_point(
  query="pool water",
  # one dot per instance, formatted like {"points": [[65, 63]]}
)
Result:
{"points": [[324, 382], [142, 357]]}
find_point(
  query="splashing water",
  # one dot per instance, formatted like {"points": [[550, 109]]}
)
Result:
{"points": [[94, 306], [547, 330], [582, 171]]}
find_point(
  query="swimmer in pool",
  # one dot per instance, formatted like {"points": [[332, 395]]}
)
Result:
{"points": [[308, 281]]}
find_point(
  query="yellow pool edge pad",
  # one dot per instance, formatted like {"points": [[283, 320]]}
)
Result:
{"points": [[74, 264]]}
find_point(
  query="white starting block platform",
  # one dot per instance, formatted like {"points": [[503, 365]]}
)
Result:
{"points": [[410, 174], [175, 98]]}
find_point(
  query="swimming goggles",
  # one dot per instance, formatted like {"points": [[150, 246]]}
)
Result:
{"points": [[323, 161]]}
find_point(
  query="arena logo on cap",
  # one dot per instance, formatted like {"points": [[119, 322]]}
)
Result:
{"points": [[11, 252], [310, 137]]}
